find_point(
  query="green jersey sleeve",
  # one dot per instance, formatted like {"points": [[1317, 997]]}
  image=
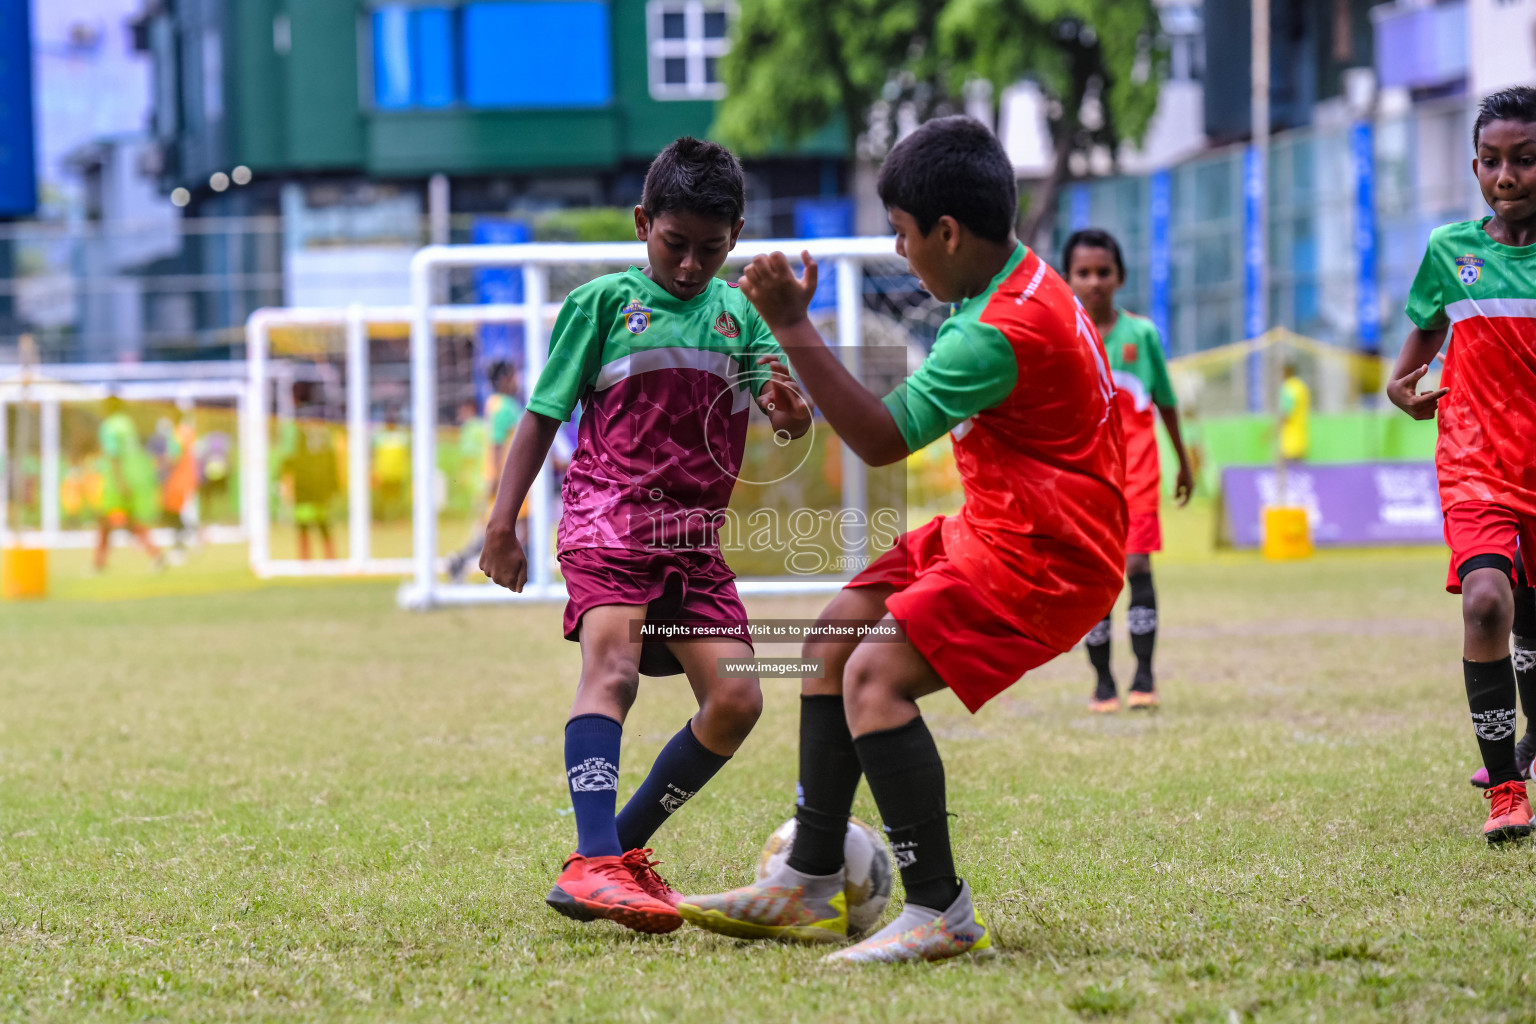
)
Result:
{"points": [[759, 342], [971, 368], [575, 356], [1426, 299], [1157, 364]]}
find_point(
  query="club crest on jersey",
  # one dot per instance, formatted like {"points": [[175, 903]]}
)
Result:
{"points": [[1128, 352], [727, 325], [636, 317], [1469, 269]]}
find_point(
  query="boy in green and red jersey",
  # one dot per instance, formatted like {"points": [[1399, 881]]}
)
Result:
{"points": [[666, 363], [1477, 286], [1018, 378], [1095, 269]]}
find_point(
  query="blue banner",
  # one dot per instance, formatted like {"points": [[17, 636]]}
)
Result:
{"points": [[498, 285], [18, 170], [1160, 269], [823, 218], [1255, 314], [1362, 139], [1081, 208]]}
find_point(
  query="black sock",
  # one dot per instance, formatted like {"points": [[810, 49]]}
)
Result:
{"points": [[1491, 696], [1097, 642], [1141, 619], [680, 770], [1523, 656], [906, 778], [829, 776]]}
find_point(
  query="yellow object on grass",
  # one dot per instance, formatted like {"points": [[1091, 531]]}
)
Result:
{"points": [[23, 573], [1287, 534]]}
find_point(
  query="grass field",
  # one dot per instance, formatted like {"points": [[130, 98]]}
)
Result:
{"points": [[297, 802]]}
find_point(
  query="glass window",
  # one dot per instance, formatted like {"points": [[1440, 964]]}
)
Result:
{"points": [[686, 39], [536, 53], [392, 57], [415, 57]]}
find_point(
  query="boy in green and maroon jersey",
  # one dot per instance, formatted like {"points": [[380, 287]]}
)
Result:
{"points": [[666, 363], [1477, 286], [1095, 269]]}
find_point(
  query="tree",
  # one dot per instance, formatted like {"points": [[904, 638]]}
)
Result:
{"points": [[797, 65]]}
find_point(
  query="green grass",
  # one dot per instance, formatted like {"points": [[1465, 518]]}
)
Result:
{"points": [[297, 802]]}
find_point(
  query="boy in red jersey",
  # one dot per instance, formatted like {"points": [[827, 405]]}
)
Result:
{"points": [[1096, 271], [1020, 380], [1475, 285]]}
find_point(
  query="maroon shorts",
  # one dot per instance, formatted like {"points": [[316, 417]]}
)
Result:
{"points": [[692, 586], [1475, 528], [1145, 536], [973, 647]]}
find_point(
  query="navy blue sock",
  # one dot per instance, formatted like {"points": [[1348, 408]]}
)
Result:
{"points": [[592, 770], [680, 771]]}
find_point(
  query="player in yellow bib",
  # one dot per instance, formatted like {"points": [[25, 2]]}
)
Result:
{"points": [[1295, 416]]}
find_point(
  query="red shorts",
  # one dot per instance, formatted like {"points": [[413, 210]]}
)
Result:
{"points": [[1145, 535], [695, 586], [968, 641], [1475, 528]]}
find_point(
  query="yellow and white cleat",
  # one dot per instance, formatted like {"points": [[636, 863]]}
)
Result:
{"points": [[921, 933], [785, 905]]}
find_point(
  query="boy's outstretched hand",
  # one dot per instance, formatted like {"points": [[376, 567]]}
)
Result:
{"points": [[1403, 391], [780, 297]]}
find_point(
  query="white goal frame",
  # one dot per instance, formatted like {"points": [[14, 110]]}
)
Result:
{"points": [[425, 590], [49, 386]]}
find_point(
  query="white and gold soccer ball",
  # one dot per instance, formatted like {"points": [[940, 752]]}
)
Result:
{"points": [[867, 866]]}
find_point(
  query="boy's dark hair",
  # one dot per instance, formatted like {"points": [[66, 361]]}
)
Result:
{"points": [[952, 166], [498, 369], [1517, 103], [1092, 238], [696, 176]]}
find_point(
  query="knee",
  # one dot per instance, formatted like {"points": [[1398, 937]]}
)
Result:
{"points": [[1138, 565], [1487, 610], [736, 704], [864, 690], [614, 678]]}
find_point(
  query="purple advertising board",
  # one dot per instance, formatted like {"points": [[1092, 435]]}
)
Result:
{"points": [[1347, 505]]}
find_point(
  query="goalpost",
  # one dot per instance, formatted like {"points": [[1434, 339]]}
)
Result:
{"points": [[846, 256], [50, 387]]}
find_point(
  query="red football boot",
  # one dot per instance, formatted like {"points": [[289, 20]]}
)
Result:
{"points": [[1509, 812], [643, 869], [603, 887]]}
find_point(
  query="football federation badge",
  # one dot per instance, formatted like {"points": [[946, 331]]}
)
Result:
{"points": [[1128, 352], [726, 325], [636, 317], [1469, 269]]}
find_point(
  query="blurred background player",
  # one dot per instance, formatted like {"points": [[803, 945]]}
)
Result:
{"points": [[129, 491], [651, 354], [178, 476], [1095, 269], [1295, 408], [493, 436], [391, 468], [308, 459], [1477, 277], [1019, 379]]}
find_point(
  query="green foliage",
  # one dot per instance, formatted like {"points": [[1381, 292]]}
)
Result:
{"points": [[586, 224], [796, 64]]}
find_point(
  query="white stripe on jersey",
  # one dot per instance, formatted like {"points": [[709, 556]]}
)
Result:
{"points": [[721, 364], [1471, 309]]}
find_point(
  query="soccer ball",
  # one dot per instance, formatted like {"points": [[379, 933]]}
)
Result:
{"points": [[867, 867]]}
